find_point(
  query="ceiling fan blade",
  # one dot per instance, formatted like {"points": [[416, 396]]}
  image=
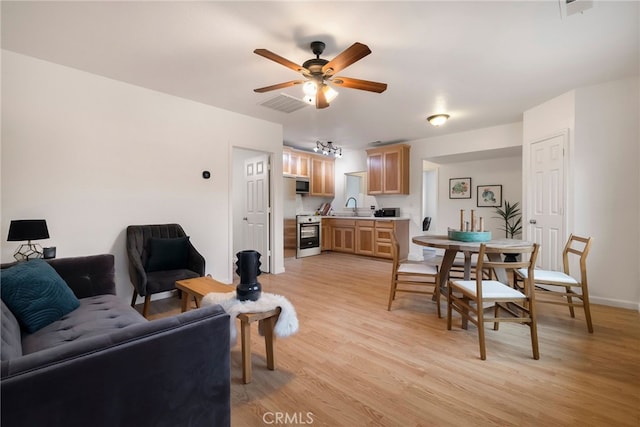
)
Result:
{"points": [[280, 60], [354, 53], [359, 84], [321, 98], [279, 86]]}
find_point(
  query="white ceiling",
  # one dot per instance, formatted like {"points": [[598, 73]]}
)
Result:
{"points": [[484, 63]]}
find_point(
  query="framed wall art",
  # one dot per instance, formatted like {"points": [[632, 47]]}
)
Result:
{"points": [[460, 188], [489, 196]]}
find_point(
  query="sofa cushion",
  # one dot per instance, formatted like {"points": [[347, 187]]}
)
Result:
{"points": [[36, 294], [11, 344], [97, 315], [168, 253]]}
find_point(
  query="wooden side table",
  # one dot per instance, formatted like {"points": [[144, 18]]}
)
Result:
{"points": [[197, 288]]}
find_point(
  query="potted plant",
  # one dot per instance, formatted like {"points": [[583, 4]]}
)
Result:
{"points": [[512, 223]]}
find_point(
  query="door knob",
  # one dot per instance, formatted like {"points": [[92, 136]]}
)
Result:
{"points": [[245, 219], [532, 221]]}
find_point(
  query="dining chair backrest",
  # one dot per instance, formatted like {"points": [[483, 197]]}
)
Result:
{"points": [[579, 246], [491, 258]]}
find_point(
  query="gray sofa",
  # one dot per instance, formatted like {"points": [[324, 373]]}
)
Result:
{"points": [[103, 364]]}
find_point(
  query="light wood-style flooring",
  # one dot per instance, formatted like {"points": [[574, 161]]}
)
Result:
{"points": [[353, 363]]}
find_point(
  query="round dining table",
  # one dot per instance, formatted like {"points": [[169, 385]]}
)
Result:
{"points": [[452, 247]]}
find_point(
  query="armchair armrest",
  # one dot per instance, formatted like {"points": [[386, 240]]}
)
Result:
{"points": [[196, 261]]}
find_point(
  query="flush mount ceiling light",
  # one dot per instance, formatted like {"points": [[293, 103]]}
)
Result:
{"points": [[328, 149], [438, 119]]}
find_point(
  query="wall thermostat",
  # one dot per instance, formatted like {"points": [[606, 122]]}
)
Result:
{"points": [[206, 174]]}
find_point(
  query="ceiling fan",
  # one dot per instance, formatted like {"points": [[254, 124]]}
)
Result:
{"points": [[319, 72]]}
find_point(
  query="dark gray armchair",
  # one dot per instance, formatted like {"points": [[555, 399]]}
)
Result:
{"points": [[159, 255]]}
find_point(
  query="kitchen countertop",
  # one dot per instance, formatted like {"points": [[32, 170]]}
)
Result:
{"points": [[375, 218]]}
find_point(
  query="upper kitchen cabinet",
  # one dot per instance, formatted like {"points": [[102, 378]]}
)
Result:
{"points": [[322, 176], [388, 169], [295, 163]]}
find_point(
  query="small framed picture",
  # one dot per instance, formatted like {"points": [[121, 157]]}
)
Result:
{"points": [[460, 188], [489, 196]]}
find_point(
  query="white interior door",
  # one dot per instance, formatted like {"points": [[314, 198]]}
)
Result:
{"points": [[255, 228], [547, 207]]}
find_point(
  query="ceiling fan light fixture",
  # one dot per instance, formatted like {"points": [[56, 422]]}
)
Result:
{"points": [[310, 88], [329, 93], [438, 119]]}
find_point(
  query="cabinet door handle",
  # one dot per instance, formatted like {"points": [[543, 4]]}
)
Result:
{"points": [[532, 221]]}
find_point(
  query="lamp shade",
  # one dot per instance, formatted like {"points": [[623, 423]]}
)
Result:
{"points": [[28, 229]]}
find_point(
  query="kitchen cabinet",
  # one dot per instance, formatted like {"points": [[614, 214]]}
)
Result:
{"points": [[322, 176], [365, 237], [290, 233], [343, 235], [388, 169], [383, 231], [326, 243], [286, 161], [295, 163]]}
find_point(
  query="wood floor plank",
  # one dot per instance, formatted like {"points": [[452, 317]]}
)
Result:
{"points": [[353, 363]]}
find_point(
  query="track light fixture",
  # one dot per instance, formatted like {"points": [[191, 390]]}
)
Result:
{"points": [[328, 149]]}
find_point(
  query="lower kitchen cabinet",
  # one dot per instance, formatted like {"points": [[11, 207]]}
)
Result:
{"points": [[343, 239], [365, 237], [368, 237]]}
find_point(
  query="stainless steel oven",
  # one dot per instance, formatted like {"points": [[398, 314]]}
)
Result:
{"points": [[308, 235]]}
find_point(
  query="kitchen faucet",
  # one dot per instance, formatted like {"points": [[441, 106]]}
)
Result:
{"points": [[355, 204]]}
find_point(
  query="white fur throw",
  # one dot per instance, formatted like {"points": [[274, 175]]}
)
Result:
{"points": [[286, 325]]}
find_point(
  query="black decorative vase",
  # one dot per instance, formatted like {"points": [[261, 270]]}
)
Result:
{"points": [[248, 269]]}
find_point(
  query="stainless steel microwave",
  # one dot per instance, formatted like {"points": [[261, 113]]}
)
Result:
{"points": [[302, 186]]}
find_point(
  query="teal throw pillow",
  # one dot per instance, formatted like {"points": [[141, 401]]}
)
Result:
{"points": [[168, 253], [36, 294]]}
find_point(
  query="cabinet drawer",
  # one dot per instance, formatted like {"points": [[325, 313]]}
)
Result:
{"points": [[383, 234], [343, 222], [366, 223], [383, 250], [384, 224]]}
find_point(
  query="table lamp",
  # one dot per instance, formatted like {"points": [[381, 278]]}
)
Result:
{"points": [[28, 229]]}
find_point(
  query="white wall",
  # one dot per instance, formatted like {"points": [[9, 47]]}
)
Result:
{"points": [[602, 121], [92, 155], [502, 171], [497, 168]]}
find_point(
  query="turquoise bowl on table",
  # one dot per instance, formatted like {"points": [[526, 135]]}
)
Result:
{"points": [[470, 236]]}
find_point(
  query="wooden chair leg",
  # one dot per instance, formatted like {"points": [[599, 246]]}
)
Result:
{"points": [[145, 308], [587, 309], [436, 292], [392, 293], [534, 332], [568, 293], [134, 298], [449, 302], [483, 351]]}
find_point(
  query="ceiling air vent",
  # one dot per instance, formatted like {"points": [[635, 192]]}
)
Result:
{"points": [[571, 7], [284, 103]]}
